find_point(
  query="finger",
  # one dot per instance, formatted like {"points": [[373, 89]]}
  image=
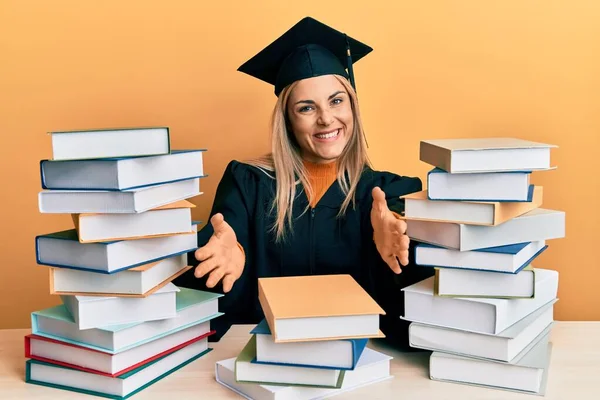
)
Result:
{"points": [[379, 203], [228, 281], [404, 242], [392, 262], [215, 276], [205, 267], [205, 252], [401, 226], [403, 257], [219, 225]]}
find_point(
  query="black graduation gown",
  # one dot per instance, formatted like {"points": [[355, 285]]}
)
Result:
{"points": [[320, 244]]}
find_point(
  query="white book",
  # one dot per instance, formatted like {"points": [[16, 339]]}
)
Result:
{"points": [[63, 249], [536, 225], [136, 282], [104, 143], [485, 186], [419, 207], [340, 354], [194, 307], [248, 371], [122, 173], [44, 349], [126, 201], [486, 154], [56, 376], [507, 259], [372, 367], [504, 346], [482, 315], [95, 311], [529, 373], [170, 219], [469, 283]]}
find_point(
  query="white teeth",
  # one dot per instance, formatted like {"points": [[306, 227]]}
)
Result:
{"points": [[328, 135]]}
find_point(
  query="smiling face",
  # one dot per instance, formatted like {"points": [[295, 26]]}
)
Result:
{"points": [[321, 118]]}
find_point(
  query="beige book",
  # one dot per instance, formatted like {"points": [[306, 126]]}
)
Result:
{"points": [[486, 154], [140, 281], [489, 213], [171, 219], [318, 307]]}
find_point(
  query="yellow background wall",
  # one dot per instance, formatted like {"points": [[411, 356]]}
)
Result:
{"points": [[440, 69]]}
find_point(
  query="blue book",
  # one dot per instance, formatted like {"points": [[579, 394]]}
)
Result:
{"points": [[505, 259], [333, 354], [63, 249], [122, 173]]}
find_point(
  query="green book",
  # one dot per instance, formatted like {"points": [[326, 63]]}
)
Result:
{"points": [[121, 387], [247, 370]]}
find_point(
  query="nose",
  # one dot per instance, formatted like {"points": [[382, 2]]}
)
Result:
{"points": [[325, 118]]}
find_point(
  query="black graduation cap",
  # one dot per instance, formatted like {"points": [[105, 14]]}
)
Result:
{"points": [[308, 49]]}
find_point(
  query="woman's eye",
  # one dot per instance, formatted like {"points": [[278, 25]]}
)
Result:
{"points": [[305, 109], [337, 100]]}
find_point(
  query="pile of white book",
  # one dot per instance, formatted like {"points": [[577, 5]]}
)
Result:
{"points": [[487, 313], [122, 324], [312, 343]]}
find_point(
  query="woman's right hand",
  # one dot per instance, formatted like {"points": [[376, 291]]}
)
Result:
{"points": [[221, 256]]}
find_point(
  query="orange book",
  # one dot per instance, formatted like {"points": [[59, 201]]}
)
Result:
{"points": [[318, 307], [419, 207]]}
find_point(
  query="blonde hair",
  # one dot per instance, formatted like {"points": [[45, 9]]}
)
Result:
{"points": [[285, 164]]}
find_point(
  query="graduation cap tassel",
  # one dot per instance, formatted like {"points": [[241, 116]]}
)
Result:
{"points": [[349, 58]]}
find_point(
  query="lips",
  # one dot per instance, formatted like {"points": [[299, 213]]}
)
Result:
{"points": [[328, 135]]}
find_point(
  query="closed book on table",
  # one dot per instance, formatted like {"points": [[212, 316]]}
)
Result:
{"points": [[269, 374], [97, 311], [103, 143], [503, 346], [122, 173], [482, 186], [538, 224], [170, 219], [372, 367], [475, 314], [140, 281], [340, 354], [318, 307], [486, 154], [109, 364], [454, 282], [113, 202], [508, 259], [63, 249], [194, 307], [419, 207], [120, 387], [527, 374]]}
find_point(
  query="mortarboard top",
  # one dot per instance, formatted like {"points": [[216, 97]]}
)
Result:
{"points": [[308, 49]]}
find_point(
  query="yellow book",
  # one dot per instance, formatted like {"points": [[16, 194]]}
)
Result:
{"points": [[318, 307]]}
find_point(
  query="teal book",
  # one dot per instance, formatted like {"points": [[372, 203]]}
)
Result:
{"points": [[121, 387], [193, 307]]}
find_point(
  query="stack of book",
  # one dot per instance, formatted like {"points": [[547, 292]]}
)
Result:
{"points": [[122, 324], [487, 312], [312, 342]]}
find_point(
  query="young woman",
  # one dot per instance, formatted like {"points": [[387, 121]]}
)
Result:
{"points": [[313, 205]]}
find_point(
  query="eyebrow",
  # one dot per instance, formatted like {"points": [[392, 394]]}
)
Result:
{"points": [[329, 98]]}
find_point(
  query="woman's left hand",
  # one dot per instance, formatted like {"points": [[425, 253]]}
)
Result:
{"points": [[389, 233]]}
